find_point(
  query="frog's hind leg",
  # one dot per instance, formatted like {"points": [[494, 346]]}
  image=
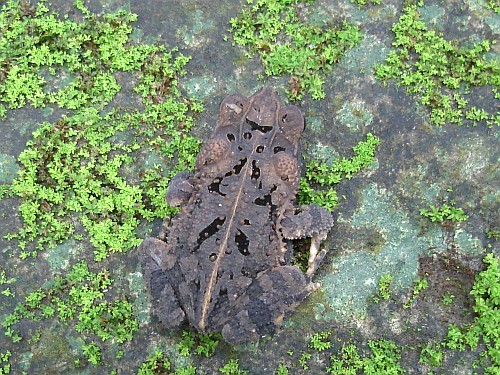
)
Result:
{"points": [[308, 221], [262, 308], [165, 302]]}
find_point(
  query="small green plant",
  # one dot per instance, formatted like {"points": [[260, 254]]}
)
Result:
{"points": [[7, 292], [93, 353], [448, 299], [494, 5], [384, 287], [203, 344], [326, 175], [320, 342], [4, 362], [493, 233], [303, 359], [441, 72], [362, 3], [418, 286], [486, 292], [444, 213], [190, 370], [282, 369], [431, 354], [156, 364], [232, 368], [275, 30], [384, 359]]}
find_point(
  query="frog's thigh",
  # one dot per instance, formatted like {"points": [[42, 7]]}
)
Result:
{"points": [[270, 296], [165, 303]]}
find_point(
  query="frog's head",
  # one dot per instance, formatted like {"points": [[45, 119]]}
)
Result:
{"points": [[263, 109]]}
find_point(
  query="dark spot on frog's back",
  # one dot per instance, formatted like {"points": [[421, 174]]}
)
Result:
{"points": [[226, 250]]}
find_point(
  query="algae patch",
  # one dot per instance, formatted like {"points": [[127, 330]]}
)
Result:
{"points": [[398, 247]]}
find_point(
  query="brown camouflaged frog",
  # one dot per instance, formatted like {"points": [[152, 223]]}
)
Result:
{"points": [[224, 264]]}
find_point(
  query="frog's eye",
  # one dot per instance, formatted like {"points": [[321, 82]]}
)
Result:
{"points": [[291, 115], [234, 103], [232, 108]]}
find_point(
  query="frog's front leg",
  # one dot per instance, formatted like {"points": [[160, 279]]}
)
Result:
{"points": [[156, 260], [262, 308], [308, 221], [180, 189]]}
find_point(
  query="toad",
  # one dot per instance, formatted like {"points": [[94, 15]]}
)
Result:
{"points": [[223, 264]]}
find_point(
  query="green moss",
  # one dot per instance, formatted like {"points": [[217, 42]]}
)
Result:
{"points": [[444, 213], [327, 176], [156, 363], [486, 326], [418, 286], [78, 299], [362, 3], [320, 342], [198, 343], [289, 46], [4, 362], [232, 368], [441, 72], [384, 287], [384, 359], [37, 46], [72, 170], [431, 354]]}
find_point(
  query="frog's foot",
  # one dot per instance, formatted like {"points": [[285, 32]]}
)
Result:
{"points": [[262, 308], [315, 257], [309, 221], [153, 254], [150, 257]]}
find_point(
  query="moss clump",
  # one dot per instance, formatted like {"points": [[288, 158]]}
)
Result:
{"points": [[384, 287], [486, 292], [200, 344], [431, 354], [384, 359], [39, 52], [156, 363], [72, 170], [79, 299], [289, 46], [446, 212], [329, 175], [441, 71], [232, 368], [362, 3], [4, 363], [494, 5]]}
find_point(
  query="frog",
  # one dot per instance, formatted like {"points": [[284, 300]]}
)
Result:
{"points": [[224, 262]]}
